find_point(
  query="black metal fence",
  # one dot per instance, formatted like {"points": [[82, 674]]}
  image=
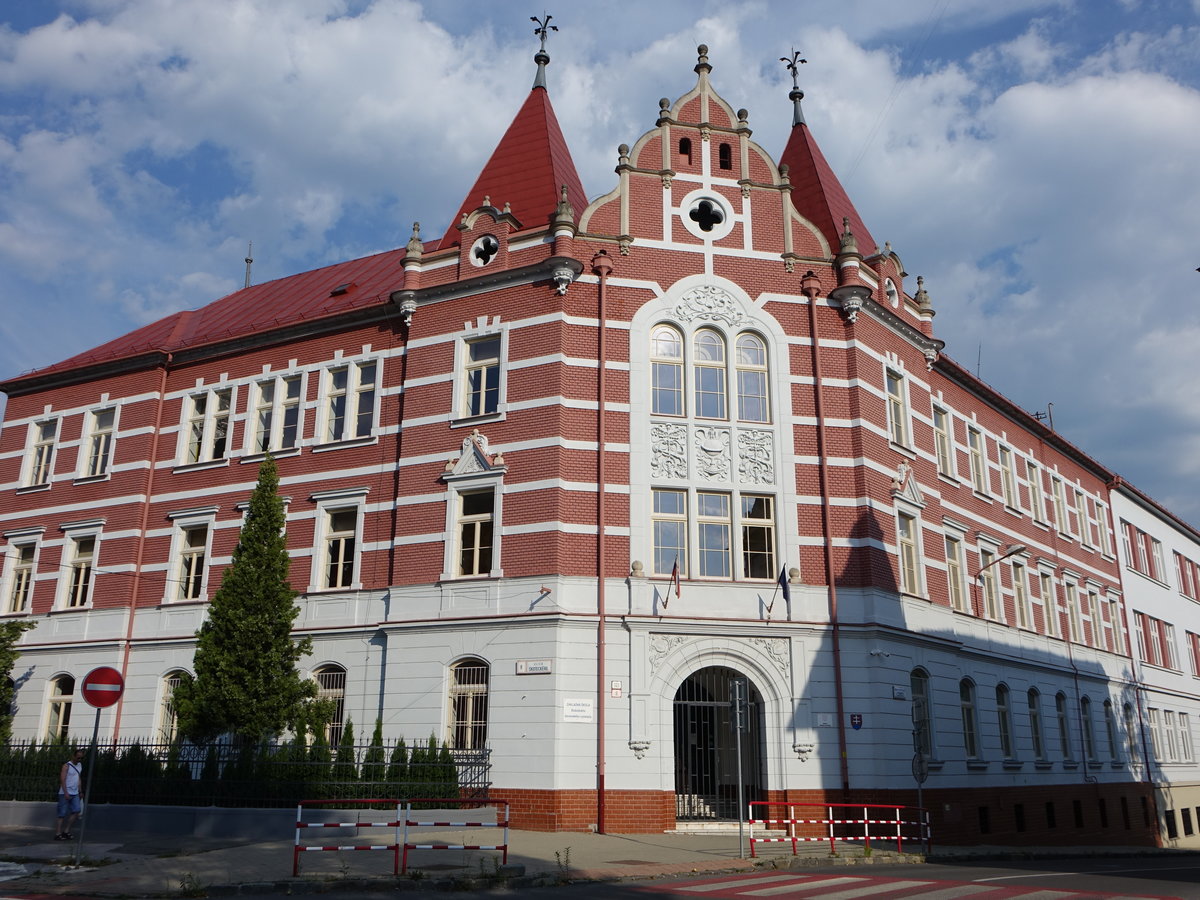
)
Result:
{"points": [[261, 775]]}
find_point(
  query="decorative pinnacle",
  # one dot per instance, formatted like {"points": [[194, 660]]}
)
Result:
{"points": [[702, 66], [793, 64], [542, 58], [415, 246]]}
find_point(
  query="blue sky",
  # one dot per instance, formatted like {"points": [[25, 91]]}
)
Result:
{"points": [[1035, 160]]}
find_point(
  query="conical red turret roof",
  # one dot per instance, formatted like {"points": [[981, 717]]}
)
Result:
{"points": [[818, 195], [526, 170]]}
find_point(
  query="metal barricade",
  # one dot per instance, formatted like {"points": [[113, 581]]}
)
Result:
{"points": [[832, 827], [394, 823], [410, 822]]}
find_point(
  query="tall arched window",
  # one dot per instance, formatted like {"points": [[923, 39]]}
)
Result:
{"points": [[1110, 730], [922, 715], [709, 360], [168, 716], [1130, 730], [666, 355], [1035, 723], [724, 156], [1089, 739], [685, 149], [62, 693], [468, 704], [1004, 721], [331, 685], [970, 723], [1064, 724], [752, 379]]}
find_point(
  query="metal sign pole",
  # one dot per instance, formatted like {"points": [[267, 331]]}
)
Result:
{"points": [[87, 788], [739, 715]]}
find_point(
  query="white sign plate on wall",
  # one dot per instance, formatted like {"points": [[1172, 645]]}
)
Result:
{"points": [[534, 667], [577, 710]]}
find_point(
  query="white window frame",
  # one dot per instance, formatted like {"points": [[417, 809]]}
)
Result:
{"points": [[659, 563], [1184, 723], [968, 702], [977, 450], [331, 681], [704, 395], [98, 444], [471, 696], [276, 413], [481, 331], [1020, 580], [943, 440], [899, 420], [752, 371], [353, 392], [16, 574], [1110, 730], [1071, 595], [1063, 719], [1156, 738], [1089, 735], [956, 572], [1061, 516], [922, 711], [183, 521], [65, 704], [1048, 583], [328, 503], [668, 363], [73, 534], [41, 450], [1085, 521], [989, 582], [168, 716], [1008, 482], [457, 485], [1037, 491], [1037, 734], [910, 561], [1004, 721], [203, 449]]}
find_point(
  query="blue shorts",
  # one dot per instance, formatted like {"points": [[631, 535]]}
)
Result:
{"points": [[67, 805]]}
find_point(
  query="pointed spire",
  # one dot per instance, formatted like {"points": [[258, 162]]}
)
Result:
{"points": [[542, 58], [793, 64]]}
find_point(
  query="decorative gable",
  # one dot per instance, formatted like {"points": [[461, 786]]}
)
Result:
{"points": [[475, 460], [905, 487]]}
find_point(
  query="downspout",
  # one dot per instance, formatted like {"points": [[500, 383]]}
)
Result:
{"points": [[810, 286], [601, 266], [143, 524]]}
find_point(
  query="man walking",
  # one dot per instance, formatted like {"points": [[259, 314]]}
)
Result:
{"points": [[69, 804]]}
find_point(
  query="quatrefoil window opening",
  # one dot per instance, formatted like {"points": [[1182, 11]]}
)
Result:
{"points": [[706, 216], [484, 250]]}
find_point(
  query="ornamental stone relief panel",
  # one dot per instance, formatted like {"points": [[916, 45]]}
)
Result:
{"points": [[756, 457], [660, 646], [712, 453], [708, 303], [668, 451]]}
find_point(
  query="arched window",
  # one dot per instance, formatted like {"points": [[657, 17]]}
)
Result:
{"points": [[1110, 730], [725, 156], [709, 360], [666, 355], [1004, 721], [62, 693], [1064, 724], [685, 150], [468, 704], [752, 379], [922, 716], [331, 685], [1089, 739], [1130, 730], [168, 716], [970, 723], [1035, 723]]}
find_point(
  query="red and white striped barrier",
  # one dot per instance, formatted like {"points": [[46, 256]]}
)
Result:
{"points": [[903, 822], [409, 822], [394, 823]]}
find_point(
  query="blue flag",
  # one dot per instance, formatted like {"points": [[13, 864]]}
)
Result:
{"points": [[784, 585]]}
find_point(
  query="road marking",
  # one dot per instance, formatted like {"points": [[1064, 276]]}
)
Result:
{"points": [[869, 889], [734, 883], [807, 885], [950, 893]]}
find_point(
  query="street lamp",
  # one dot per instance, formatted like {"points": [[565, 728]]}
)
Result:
{"points": [[1011, 550]]}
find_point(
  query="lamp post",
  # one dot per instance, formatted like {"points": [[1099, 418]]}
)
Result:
{"points": [[1012, 550]]}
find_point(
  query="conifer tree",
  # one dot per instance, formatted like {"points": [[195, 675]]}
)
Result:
{"points": [[246, 682], [10, 633]]}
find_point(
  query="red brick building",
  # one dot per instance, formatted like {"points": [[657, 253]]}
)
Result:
{"points": [[560, 474]]}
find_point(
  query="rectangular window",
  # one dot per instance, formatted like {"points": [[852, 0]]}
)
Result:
{"points": [[277, 414], [1050, 602], [481, 387], [1035, 724], [1061, 521], [1185, 737], [1071, 595], [1102, 525], [1008, 483], [970, 725], [987, 584], [207, 425], [1156, 738], [713, 534], [909, 541], [758, 537], [1064, 725], [898, 423], [1021, 595], [21, 559], [954, 573], [1037, 495], [1085, 528], [1118, 625], [1194, 651], [193, 549], [670, 532], [1159, 571], [98, 443], [978, 461], [709, 374], [1171, 735], [476, 517], [40, 466], [341, 536], [1189, 576], [942, 441], [350, 401], [1166, 637], [82, 553]]}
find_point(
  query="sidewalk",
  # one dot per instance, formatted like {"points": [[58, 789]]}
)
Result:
{"points": [[133, 864]]}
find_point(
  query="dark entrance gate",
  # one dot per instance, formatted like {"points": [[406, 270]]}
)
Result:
{"points": [[706, 765]]}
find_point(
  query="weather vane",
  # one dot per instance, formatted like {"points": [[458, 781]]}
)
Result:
{"points": [[543, 27], [792, 62]]}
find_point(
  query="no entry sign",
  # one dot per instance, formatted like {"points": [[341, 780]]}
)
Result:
{"points": [[103, 686]]}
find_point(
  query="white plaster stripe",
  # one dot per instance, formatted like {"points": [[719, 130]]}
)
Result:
{"points": [[736, 883], [952, 893], [869, 889], [108, 688], [820, 883]]}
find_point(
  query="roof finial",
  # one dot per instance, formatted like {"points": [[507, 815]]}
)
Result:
{"points": [[542, 58], [415, 246], [702, 66], [793, 64], [249, 261]]}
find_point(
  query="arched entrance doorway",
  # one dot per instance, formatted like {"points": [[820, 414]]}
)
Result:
{"points": [[706, 763]]}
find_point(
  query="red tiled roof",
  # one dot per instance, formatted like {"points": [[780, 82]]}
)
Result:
{"points": [[818, 195], [258, 308], [527, 170]]}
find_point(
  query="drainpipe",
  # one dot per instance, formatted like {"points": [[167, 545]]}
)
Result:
{"points": [[810, 286], [143, 524], [601, 266]]}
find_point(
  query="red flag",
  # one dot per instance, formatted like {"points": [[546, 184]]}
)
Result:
{"points": [[674, 581]]}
